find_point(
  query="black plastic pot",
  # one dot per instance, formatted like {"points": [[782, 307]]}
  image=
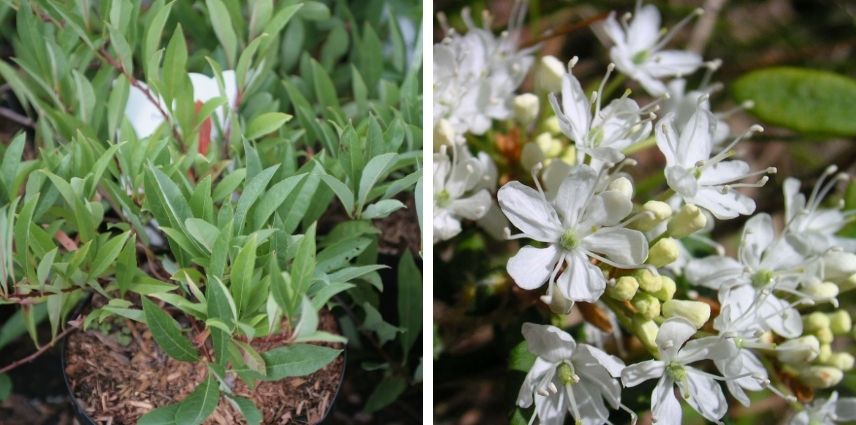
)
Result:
{"points": [[84, 418]]}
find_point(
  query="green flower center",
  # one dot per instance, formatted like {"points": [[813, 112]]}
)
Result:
{"points": [[596, 136], [566, 374], [443, 199], [676, 371], [569, 240], [641, 57], [762, 277]]}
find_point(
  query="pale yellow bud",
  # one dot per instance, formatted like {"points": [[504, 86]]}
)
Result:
{"points": [[815, 321], [530, 155], [821, 376], [657, 212], [799, 350], [825, 353], [621, 185], [665, 251], [444, 134], [843, 361], [648, 281], [696, 312], [624, 289], [550, 146], [688, 220], [548, 74], [667, 289], [646, 331], [647, 306], [525, 108], [551, 125], [840, 322], [824, 335]]}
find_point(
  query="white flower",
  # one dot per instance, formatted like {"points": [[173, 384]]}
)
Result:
{"points": [[638, 50], [766, 264], [458, 191], [698, 388], [700, 179], [684, 103], [827, 411], [580, 223], [476, 74], [145, 116], [606, 134], [811, 229], [568, 378]]}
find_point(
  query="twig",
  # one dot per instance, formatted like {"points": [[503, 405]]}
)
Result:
{"points": [[566, 30], [704, 28], [17, 118], [39, 352]]}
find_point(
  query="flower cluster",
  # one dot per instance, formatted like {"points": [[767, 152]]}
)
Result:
{"points": [[763, 320]]}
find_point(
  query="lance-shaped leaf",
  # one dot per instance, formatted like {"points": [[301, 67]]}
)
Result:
{"points": [[241, 276], [199, 404], [303, 267], [409, 300], [297, 360], [167, 333], [164, 415]]}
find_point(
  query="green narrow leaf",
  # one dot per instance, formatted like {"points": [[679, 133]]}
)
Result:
{"points": [[382, 209], [199, 404], [265, 124], [11, 162], [252, 191], [297, 360], [308, 323], [241, 275], [203, 232], [520, 358], [273, 198], [805, 100], [220, 252], [164, 415], [229, 183], [222, 23], [385, 393], [82, 215], [167, 333], [107, 254], [345, 195], [154, 32], [303, 267], [251, 413], [373, 171], [409, 301]]}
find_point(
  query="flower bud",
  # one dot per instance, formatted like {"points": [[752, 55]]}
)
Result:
{"points": [[696, 312], [667, 289], [624, 289], [551, 125], [825, 353], [550, 146], [621, 185], [815, 321], [569, 155], [821, 290], [840, 323], [838, 266], [659, 212], [647, 306], [799, 350], [665, 251], [646, 331], [687, 221], [558, 304], [525, 108], [843, 361], [530, 155], [824, 335], [548, 74], [444, 134], [821, 376], [648, 281]]}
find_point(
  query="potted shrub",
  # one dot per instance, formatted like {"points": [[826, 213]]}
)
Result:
{"points": [[196, 203]]}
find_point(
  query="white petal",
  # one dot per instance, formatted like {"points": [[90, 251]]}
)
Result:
{"points": [[539, 369], [794, 200], [705, 395], [442, 166], [616, 206], [612, 364], [473, 207], [613, 29], [575, 106], [723, 205], [143, 115], [574, 194], [644, 28], [800, 418], [713, 272], [696, 138], [723, 172], [528, 210], [664, 405], [551, 410], [623, 246], [599, 383], [758, 234], [673, 333], [531, 266], [548, 342], [669, 63], [635, 374], [667, 138], [682, 180], [446, 226], [711, 347], [581, 280]]}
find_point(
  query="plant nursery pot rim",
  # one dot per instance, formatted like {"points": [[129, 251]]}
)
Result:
{"points": [[84, 418]]}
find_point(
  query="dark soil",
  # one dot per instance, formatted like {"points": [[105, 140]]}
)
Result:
{"points": [[117, 384]]}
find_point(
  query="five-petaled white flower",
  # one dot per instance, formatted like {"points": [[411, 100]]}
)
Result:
{"points": [[829, 411], [580, 223], [811, 229], [145, 116], [611, 130], [698, 388], [459, 191], [709, 182], [638, 49], [568, 378], [766, 264]]}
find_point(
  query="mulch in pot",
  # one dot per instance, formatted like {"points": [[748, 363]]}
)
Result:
{"points": [[118, 377]]}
